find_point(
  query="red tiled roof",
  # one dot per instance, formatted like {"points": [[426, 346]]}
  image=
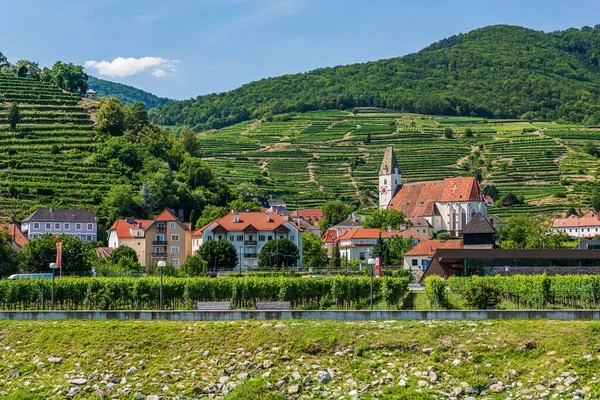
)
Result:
{"points": [[573, 221], [488, 200], [104, 252], [257, 219], [373, 233], [428, 247], [312, 215], [330, 236], [417, 199], [15, 234], [419, 221], [122, 227], [166, 215], [304, 226], [460, 189]]}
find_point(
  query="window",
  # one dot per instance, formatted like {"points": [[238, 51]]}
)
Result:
{"points": [[90, 238], [175, 262], [240, 238], [78, 227], [48, 225], [208, 238], [270, 237], [161, 227], [231, 238], [175, 238], [90, 227], [57, 225], [172, 225], [250, 237], [385, 181], [415, 262], [67, 226], [174, 249], [160, 238], [292, 238], [36, 225], [220, 237], [261, 238]]}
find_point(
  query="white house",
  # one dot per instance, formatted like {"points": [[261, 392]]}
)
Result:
{"points": [[91, 94], [357, 244], [418, 258], [249, 232], [80, 223], [447, 205], [587, 226]]}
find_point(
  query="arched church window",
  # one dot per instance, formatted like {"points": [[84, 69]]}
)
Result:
{"points": [[463, 218], [473, 212], [395, 181], [453, 221]]}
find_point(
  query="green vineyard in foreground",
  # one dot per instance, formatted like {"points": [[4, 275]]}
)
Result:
{"points": [[183, 293]]}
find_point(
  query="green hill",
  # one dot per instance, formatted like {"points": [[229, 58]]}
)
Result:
{"points": [[493, 72], [47, 161], [127, 94]]}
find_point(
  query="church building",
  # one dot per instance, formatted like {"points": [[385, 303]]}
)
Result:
{"points": [[447, 205]]}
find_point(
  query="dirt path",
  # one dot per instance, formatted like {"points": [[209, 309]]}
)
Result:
{"points": [[253, 125], [311, 176], [353, 180]]}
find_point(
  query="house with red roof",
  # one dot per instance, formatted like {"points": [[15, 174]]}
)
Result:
{"points": [[357, 244], [418, 258], [447, 205], [164, 238], [311, 216], [586, 227], [249, 232], [17, 237]]}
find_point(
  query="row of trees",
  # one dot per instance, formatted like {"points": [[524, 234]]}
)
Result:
{"points": [[64, 75]]}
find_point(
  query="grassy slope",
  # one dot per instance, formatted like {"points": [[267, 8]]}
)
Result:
{"points": [[189, 358], [325, 155]]}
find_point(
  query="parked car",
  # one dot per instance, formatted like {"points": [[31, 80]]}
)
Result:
{"points": [[30, 276]]}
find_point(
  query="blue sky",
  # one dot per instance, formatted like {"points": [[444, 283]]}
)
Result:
{"points": [[184, 48]]}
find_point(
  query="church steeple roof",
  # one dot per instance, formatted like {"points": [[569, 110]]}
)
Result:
{"points": [[389, 164]]}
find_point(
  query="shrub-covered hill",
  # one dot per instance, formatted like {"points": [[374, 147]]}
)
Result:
{"points": [[497, 71], [127, 94]]}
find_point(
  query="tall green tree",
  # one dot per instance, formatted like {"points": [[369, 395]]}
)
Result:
{"points": [[195, 266], [122, 252], [9, 258], [188, 138], [77, 255], [3, 61], [26, 68], [14, 116], [398, 246], [383, 219], [314, 255], [334, 212], [219, 254], [111, 117], [69, 77], [530, 232], [278, 254], [380, 249], [336, 258], [209, 214], [120, 203]]}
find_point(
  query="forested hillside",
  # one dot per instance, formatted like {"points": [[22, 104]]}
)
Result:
{"points": [[494, 72], [127, 94]]}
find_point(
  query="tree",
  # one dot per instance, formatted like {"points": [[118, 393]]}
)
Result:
{"points": [[383, 219], [336, 259], [9, 258], [571, 211], [530, 232], [188, 138], [111, 117], [397, 247], [119, 203], [122, 252], [591, 149], [195, 266], [469, 132], [26, 68], [209, 214], [3, 61], [219, 254], [368, 137], [334, 212], [380, 249], [241, 205], [69, 77], [278, 254], [135, 117], [14, 116], [448, 133], [195, 173], [492, 191], [314, 255], [595, 201], [77, 255]]}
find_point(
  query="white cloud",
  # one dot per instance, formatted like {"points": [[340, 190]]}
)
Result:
{"points": [[120, 66]]}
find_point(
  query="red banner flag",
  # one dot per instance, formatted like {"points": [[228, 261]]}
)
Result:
{"points": [[378, 267], [59, 254]]}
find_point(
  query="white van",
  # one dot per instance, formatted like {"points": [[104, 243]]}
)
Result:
{"points": [[30, 276]]}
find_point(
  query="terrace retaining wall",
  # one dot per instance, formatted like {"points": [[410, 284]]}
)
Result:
{"points": [[345, 315]]}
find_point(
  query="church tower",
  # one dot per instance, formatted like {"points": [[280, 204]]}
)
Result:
{"points": [[390, 178]]}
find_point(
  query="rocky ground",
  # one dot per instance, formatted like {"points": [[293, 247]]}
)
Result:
{"points": [[300, 359]]}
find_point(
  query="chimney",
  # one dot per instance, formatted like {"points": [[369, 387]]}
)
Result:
{"points": [[270, 197], [403, 227], [268, 217], [236, 218], [180, 214], [389, 229], [362, 218], [139, 225], [130, 220], [442, 240]]}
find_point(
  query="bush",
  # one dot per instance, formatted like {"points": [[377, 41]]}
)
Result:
{"points": [[435, 289], [479, 293]]}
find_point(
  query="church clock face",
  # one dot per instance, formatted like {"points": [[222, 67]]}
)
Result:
{"points": [[383, 190]]}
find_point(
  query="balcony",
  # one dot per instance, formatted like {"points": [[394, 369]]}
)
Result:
{"points": [[161, 230], [159, 243], [249, 242], [250, 255], [158, 255]]}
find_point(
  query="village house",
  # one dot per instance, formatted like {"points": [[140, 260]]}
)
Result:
{"points": [[311, 216], [79, 223], [447, 205], [17, 237], [165, 238], [587, 226], [91, 94], [357, 244], [249, 232], [330, 237], [418, 258]]}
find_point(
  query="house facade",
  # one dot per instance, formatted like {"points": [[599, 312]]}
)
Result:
{"points": [[357, 244], [164, 238], [419, 257], [249, 232], [79, 223], [586, 227]]}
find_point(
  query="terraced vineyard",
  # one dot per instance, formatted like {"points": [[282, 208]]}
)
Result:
{"points": [[320, 156], [47, 161]]}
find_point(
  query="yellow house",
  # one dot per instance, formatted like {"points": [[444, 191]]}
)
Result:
{"points": [[164, 238]]}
